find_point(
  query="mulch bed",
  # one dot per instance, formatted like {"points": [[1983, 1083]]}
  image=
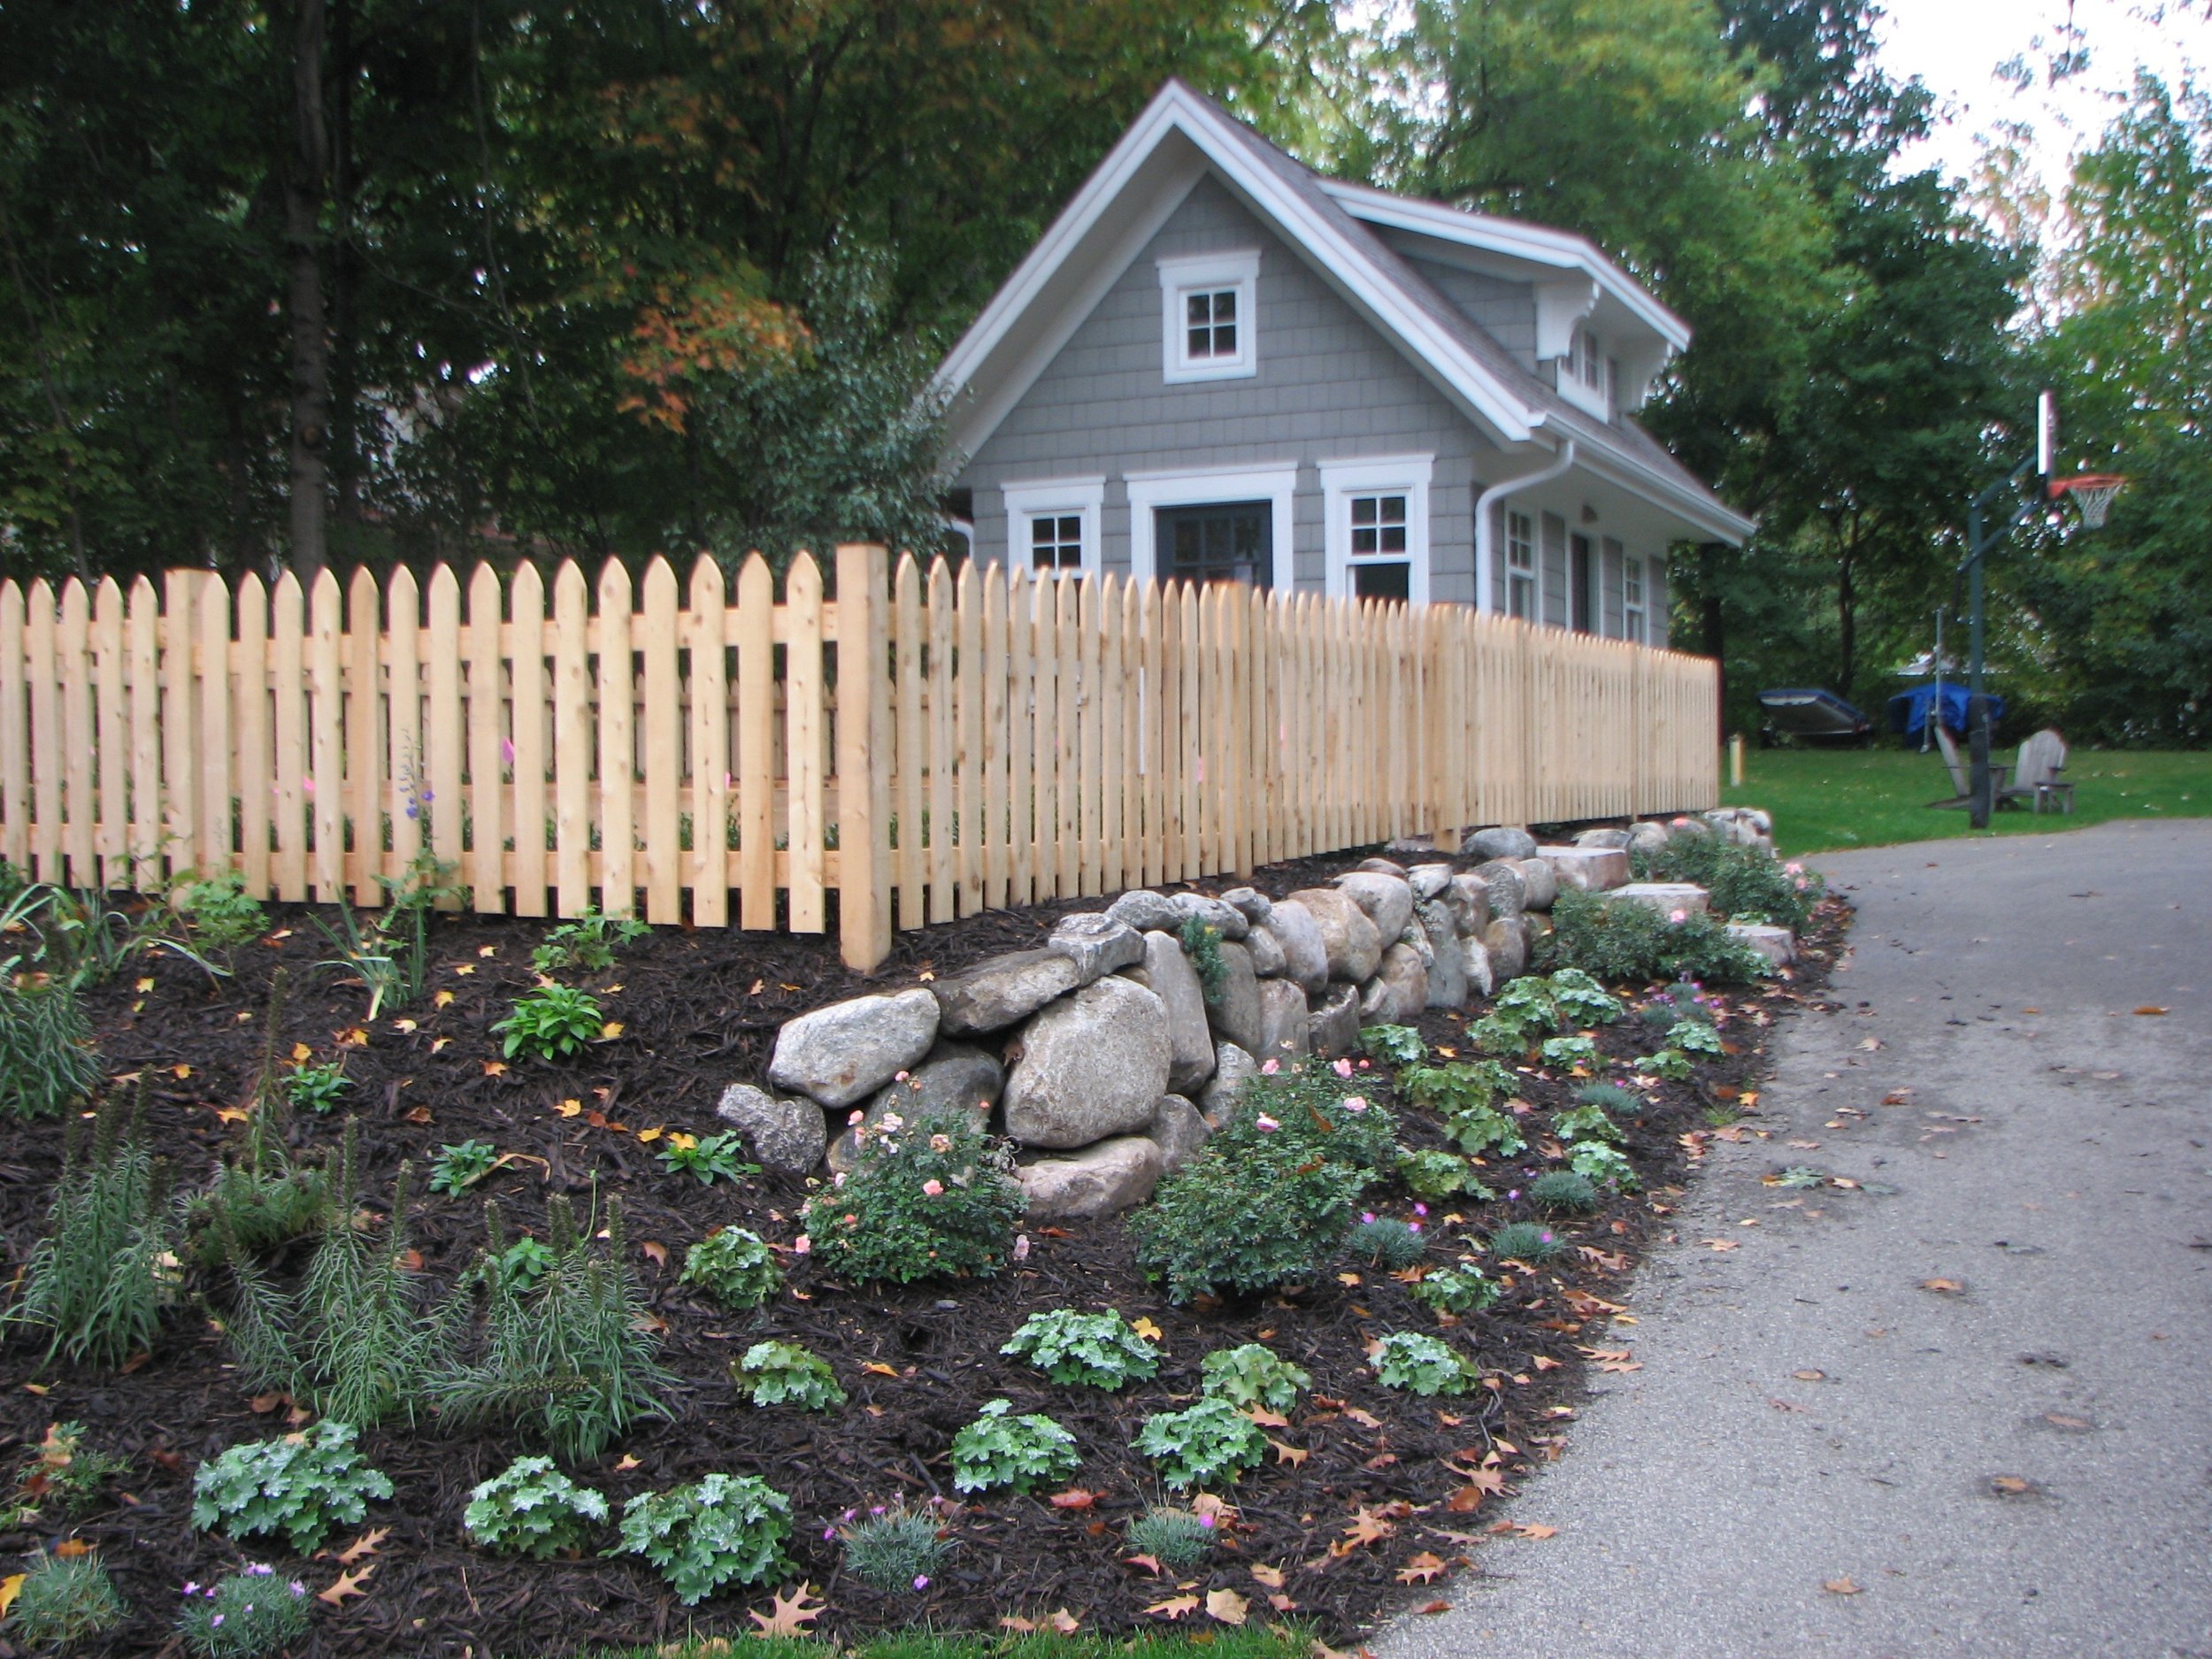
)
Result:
{"points": [[699, 1009]]}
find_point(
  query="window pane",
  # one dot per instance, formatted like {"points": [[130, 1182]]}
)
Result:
{"points": [[1363, 509], [1225, 341], [1196, 309], [1394, 509], [1393, 538], [1382, 581], [1226, 307], [1363, 540]]}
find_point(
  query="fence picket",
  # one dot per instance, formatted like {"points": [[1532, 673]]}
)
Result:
{"points": [[618, 744], [968, 689], [572, 736], [486, 874], [287, 677], [939, 694], [526, 601], [662, 746], [73, 644], [802, 742], [708, 873], [113, 844], [251, 755]]}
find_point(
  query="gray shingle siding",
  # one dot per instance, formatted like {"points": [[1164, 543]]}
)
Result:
{"points": [[1504, 311]]}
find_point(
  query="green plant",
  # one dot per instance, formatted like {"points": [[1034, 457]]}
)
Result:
{"points": [[1461, 1289], [706, 1157], [1430, 1173], [97, 1280], [551, 1023], [1306, 1105], [1016, 1453], [1387, 1242], [1176, 1539], [1581, 999], [1529, 999], [81, 940], [249, 1614], [1570, 1051], [1525, 1241], [1252, 1375], [1585, 1123], [725, 1528], [531, 1508], [1481, 1131], [319, 1089], [733, 1266], [298, 1484], [1745, 884], [457, 1168], [1565, 1191], [1668, 1062], [1393, 1045], [1628, 941], [1611, 1098], [62, 1476], [261, 1198], [522, 1263], [1421, 1364], [1099, 1350], [586, 944], [897, 1550], [219, 911], [391, 957], [932, 1200], [784, 1373], [1459, 1086], [1202, 943], [1203, 1443], [65, 1599], [48, 1063], [1502, 1034], [1605, 1165], [1695, 1036]]}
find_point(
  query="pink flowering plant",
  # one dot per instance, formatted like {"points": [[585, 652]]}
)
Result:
{"points": [[895, 1550], [929, 1199], [245, 1614]]}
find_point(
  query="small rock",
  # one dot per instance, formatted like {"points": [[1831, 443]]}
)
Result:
{"points": [[1587, 869], [1235, 1014], [1648, 837], [1268, 960], [1428, 881], [1778, 945], [1232, 1069], [1416, 939], [1092, 1064], [1002, 991], [1480, 979], [1500, 843], [1349, 936], [1103, 1179], [1096, 943], [1333, 1028], [788, 1136], [1507, 947], [1539, 884], [1382, 867], [1501, 881], [1179, 1131], [1607, 837], [1387, 900], [1474, 894], [1213, 913], [1255, 905], [1175, 982], [1305, 952], [955, 1076], [1447, 961], [1398, 993], [837, 1055], [1146, 910], [1282, 1010]]}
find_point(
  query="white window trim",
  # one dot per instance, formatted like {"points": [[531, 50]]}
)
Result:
{"points": [[1635, 624], [1567, 375], [1085, 497], [1406, 475], [1534, 518], [1200, 486], [1212, 270]]}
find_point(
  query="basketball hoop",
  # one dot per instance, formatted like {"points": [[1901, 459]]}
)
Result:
{"points": [[2093, 493]]}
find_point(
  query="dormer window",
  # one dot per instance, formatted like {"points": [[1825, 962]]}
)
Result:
{"points": [[1586, 365], [1207, 321]]}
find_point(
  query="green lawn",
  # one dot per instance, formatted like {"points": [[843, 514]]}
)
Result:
{"points": [[1826, 799]]}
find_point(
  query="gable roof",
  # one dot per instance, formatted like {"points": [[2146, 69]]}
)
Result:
{"points": [[1179, 138]]}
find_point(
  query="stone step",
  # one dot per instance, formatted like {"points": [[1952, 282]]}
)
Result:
{"points": [[1588, 869], [1778, 945], [1666, 895]]}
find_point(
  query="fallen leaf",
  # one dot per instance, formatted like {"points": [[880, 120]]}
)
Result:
{"points": [[1531, 1529], [352, 1037], [348, 1584], [1280, 1602], [1942, 1286], [464, 967], [1265, 1418], [495, 1068], [1060, 1619], [10, 1587], [404, 1026], [443, 999], [1272, 1577], [570, 1108], [300, 1053], [879, 1368], [144, 986], [261, 1405], [1544, 1361], [1286, 1453], [418, 1115], [1073, 1498], [2011, 1486], [655, 1252], [1421, 1568], [231, 1115], [627, 1463], [37, 1387], [2150, 1008], [1466, 1501], [1895, 1097], [1870, 1043], [1348, 1279], [789, 1612], [647, 1136], [70, 1548], [181, 1071], [1721, 1244], [365, 1545], [1227, 1607], [609, 1032], [1368, 1527], [1364, 1419], [1435, 1607], [488, 950], [1174, 1606], [2072, 1425], [1840, 1586], [1145, 1329]]}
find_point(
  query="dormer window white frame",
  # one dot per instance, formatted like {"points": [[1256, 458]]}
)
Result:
{"points": [[1378, 520], [1209, 317], [1053, 526]]}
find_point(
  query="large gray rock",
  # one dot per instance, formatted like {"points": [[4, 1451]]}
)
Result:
{"points": [[1586, 869], [1268, 960], [1282, 1010], [1096, 943], [1233, 1068], [1447, 963], [1614, 838], [1231, 921], [1389, 867], [1473, 894], [1333, 1028], [1145, 910], [1305, 952], [1399, 990], [1500, 843], [954, 1077], [1648, 837], [1668, 896], [1169, 973], [1256, 906], [1539, 884], [1778, 945], [1349, 938], [1002, 991], [1387, 900], [1235, 1013], [1178, 1131], [1428, 881], [1481, 979], [1508, 949], [839, 1054], [1093, 1064], [1501, 881], [788, 1136], [1100, 1180]]}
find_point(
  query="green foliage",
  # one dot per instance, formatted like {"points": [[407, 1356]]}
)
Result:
{"points": [[1098, 1350], [1387, 1242], [300, 1485], [522, 1263], [457, 1168], [1202, 943], [63, 1477], [897, 1552], [1585, 1123], [1581, 999], [733, 1266], [724, 1529], [1530, 1000], [1253, 1375], [784, 1373], [1563, 1192], [1504, 1035], [1695, 1036], [1456, 1086], [554, 1022], [319, 1089], [1525, 1241], [1668, 1062], [97, 1280], [1611, 1099], [391, 955], [709, 1157], [1430, 1173], [1394, 1045], [1608, 1167], [1460, 1288], [1205, 1443], [1800, 1176], [1742, 884], [48, 1063], [531, 1508], [930, 1200], [1178, 1540], [1421, 1364], [1484, 1131], [261, 1198], [1570, 1052], [65, 1600], [218, 911], [586, 945], [1627, 941], [1014, 1452], [81, 940], [247, 1614]]}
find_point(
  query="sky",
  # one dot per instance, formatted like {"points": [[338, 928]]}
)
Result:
{"points": [[1955, 46]]}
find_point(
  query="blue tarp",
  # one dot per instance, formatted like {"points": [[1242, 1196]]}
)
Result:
{"points": [[1908, 710]]}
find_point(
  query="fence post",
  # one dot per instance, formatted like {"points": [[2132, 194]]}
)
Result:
{"points": [[864, 830]]}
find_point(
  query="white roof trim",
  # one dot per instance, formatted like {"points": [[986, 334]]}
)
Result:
{"points": [[1692, 504]]}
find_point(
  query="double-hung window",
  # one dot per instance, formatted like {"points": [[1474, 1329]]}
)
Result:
{"points": [[1520, 566], [1208, 324], [1052, 525], [1632, 598], [1378, 527]]}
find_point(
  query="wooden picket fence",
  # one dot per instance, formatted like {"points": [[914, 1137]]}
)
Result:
{"points": [[1013, 739]]}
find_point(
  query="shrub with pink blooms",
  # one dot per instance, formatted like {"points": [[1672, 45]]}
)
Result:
{"points": [[243, 1615], [929, 1199]]}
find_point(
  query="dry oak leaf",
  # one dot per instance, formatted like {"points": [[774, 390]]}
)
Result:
{"points": [[1840, 1586], [1435, 1607], [348, 1584], [365, 1545], [1720, 1244], [1227, 1607], [1421, 1568], [1272, 1577], [2010, 1486], [878, 1367], [1531, 1529], [1266, 1419], [1368, 1527], [70, 1548], [1363, 1419], [789, 1612], [1060, 1618], [1150, 1564], [655, 1252], [1286, 1453], [1280, 1602], [1942, 1286], [1073, 1498], [1174, 1606]]}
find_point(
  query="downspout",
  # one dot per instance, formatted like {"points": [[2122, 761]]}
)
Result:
{"points": [[1497, 493]]}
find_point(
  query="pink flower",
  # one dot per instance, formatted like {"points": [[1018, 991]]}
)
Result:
{"points": [[891, 1122], [856, 1119], [214, 1621], [941, 1144], [933, 1188], [1343, 1068], [1420, 1209], [1266, 1125], [191, 1588], [828, 1533], [838, 1180], [1206, 1520], [308, 784], [1269, 1067], [800, 1245], [1367, 1218], [921, 1581], [1795, 869], [1678, 916], [297, 1587], [1021, 1247], [506, 751], [1356, 1104], [1413, 1227], [1364, 1064]]}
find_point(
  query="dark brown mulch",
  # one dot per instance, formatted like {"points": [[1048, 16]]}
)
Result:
{"points": [[698, 1011]]}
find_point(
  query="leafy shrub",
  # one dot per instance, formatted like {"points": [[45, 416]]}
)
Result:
{"points": [[1458, 1289], [733, 1266], [586, 944], [1627, 941], [1585, 1123], [898, 1550], [531, 1508], [1530, 1000], [551, 1023], [1016, 1453], [1695, 1036], [1178, 1540], [929, 1201], [1745, 884], [784, 1373], [1570, 1051], [725, 1528], [1611, 1098], [97, 1279], [1581, 999], [1566, 1192], [1307, 1105], [62, 1476], [47, 1060], [316, 1088], [1668, 1062], [1683, 1000], [1202, 943], [1209, 1441], [1392, 1045], [1485, 1130], [245, 1614], [1387, 1242], [65, 1599], [1503, 1035], [1252, 1375], [1605, 1165], [298, 1484], [1433, 1174], [1421, 1364], [457, 1168], [1098, 1349], [1456, 1086], [710, 1157], [218, 911], [1525, 1241]]}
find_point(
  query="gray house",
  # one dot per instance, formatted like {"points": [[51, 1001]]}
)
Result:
{"points": [[1218, 364]]}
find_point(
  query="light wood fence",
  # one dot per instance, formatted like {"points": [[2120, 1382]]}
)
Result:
{"points": [[1016, 740]]}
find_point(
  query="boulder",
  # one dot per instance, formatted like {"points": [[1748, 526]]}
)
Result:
{"points": [[1608, 837], [839, 1054], [1232, 1069], [1268, 960], [1100, 1180], [1145, 910], [1387, 900], [1178, 1131], [1480, 979], [1235, 1014], [1473, 894], [1093, 1064], [1398, 993], [1348, 937], [1508, 949], [1169, 973], [955, 1076], [1648, 837], [1416, 939], [1096, 943], [1586, 869], [1282, 1010], [1428, 881], [1500, 843], [1002, 991], [1778, 945], [1382, 867], [1305, 950], [788, 1136], [1447, 963], [1231, 921], [1255, 905], [1664, 895], [1333, 1026], [1539, 884], [1501, 882]]}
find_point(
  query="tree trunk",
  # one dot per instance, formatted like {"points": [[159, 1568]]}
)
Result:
{"points": [[1847, 621], [303, 188]]}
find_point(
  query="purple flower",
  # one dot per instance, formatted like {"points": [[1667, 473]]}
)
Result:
{"points": [[1420, 1209], [259, 1570], [507, 750], [191, 1588], [1206, 1521], [828, 1533], [1516, 1193], [215, 1621], [1367, 1218], [298, 1588], [921, 1581]]}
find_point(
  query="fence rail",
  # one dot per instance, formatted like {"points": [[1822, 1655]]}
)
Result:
{"points": [[1014, 740]]}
